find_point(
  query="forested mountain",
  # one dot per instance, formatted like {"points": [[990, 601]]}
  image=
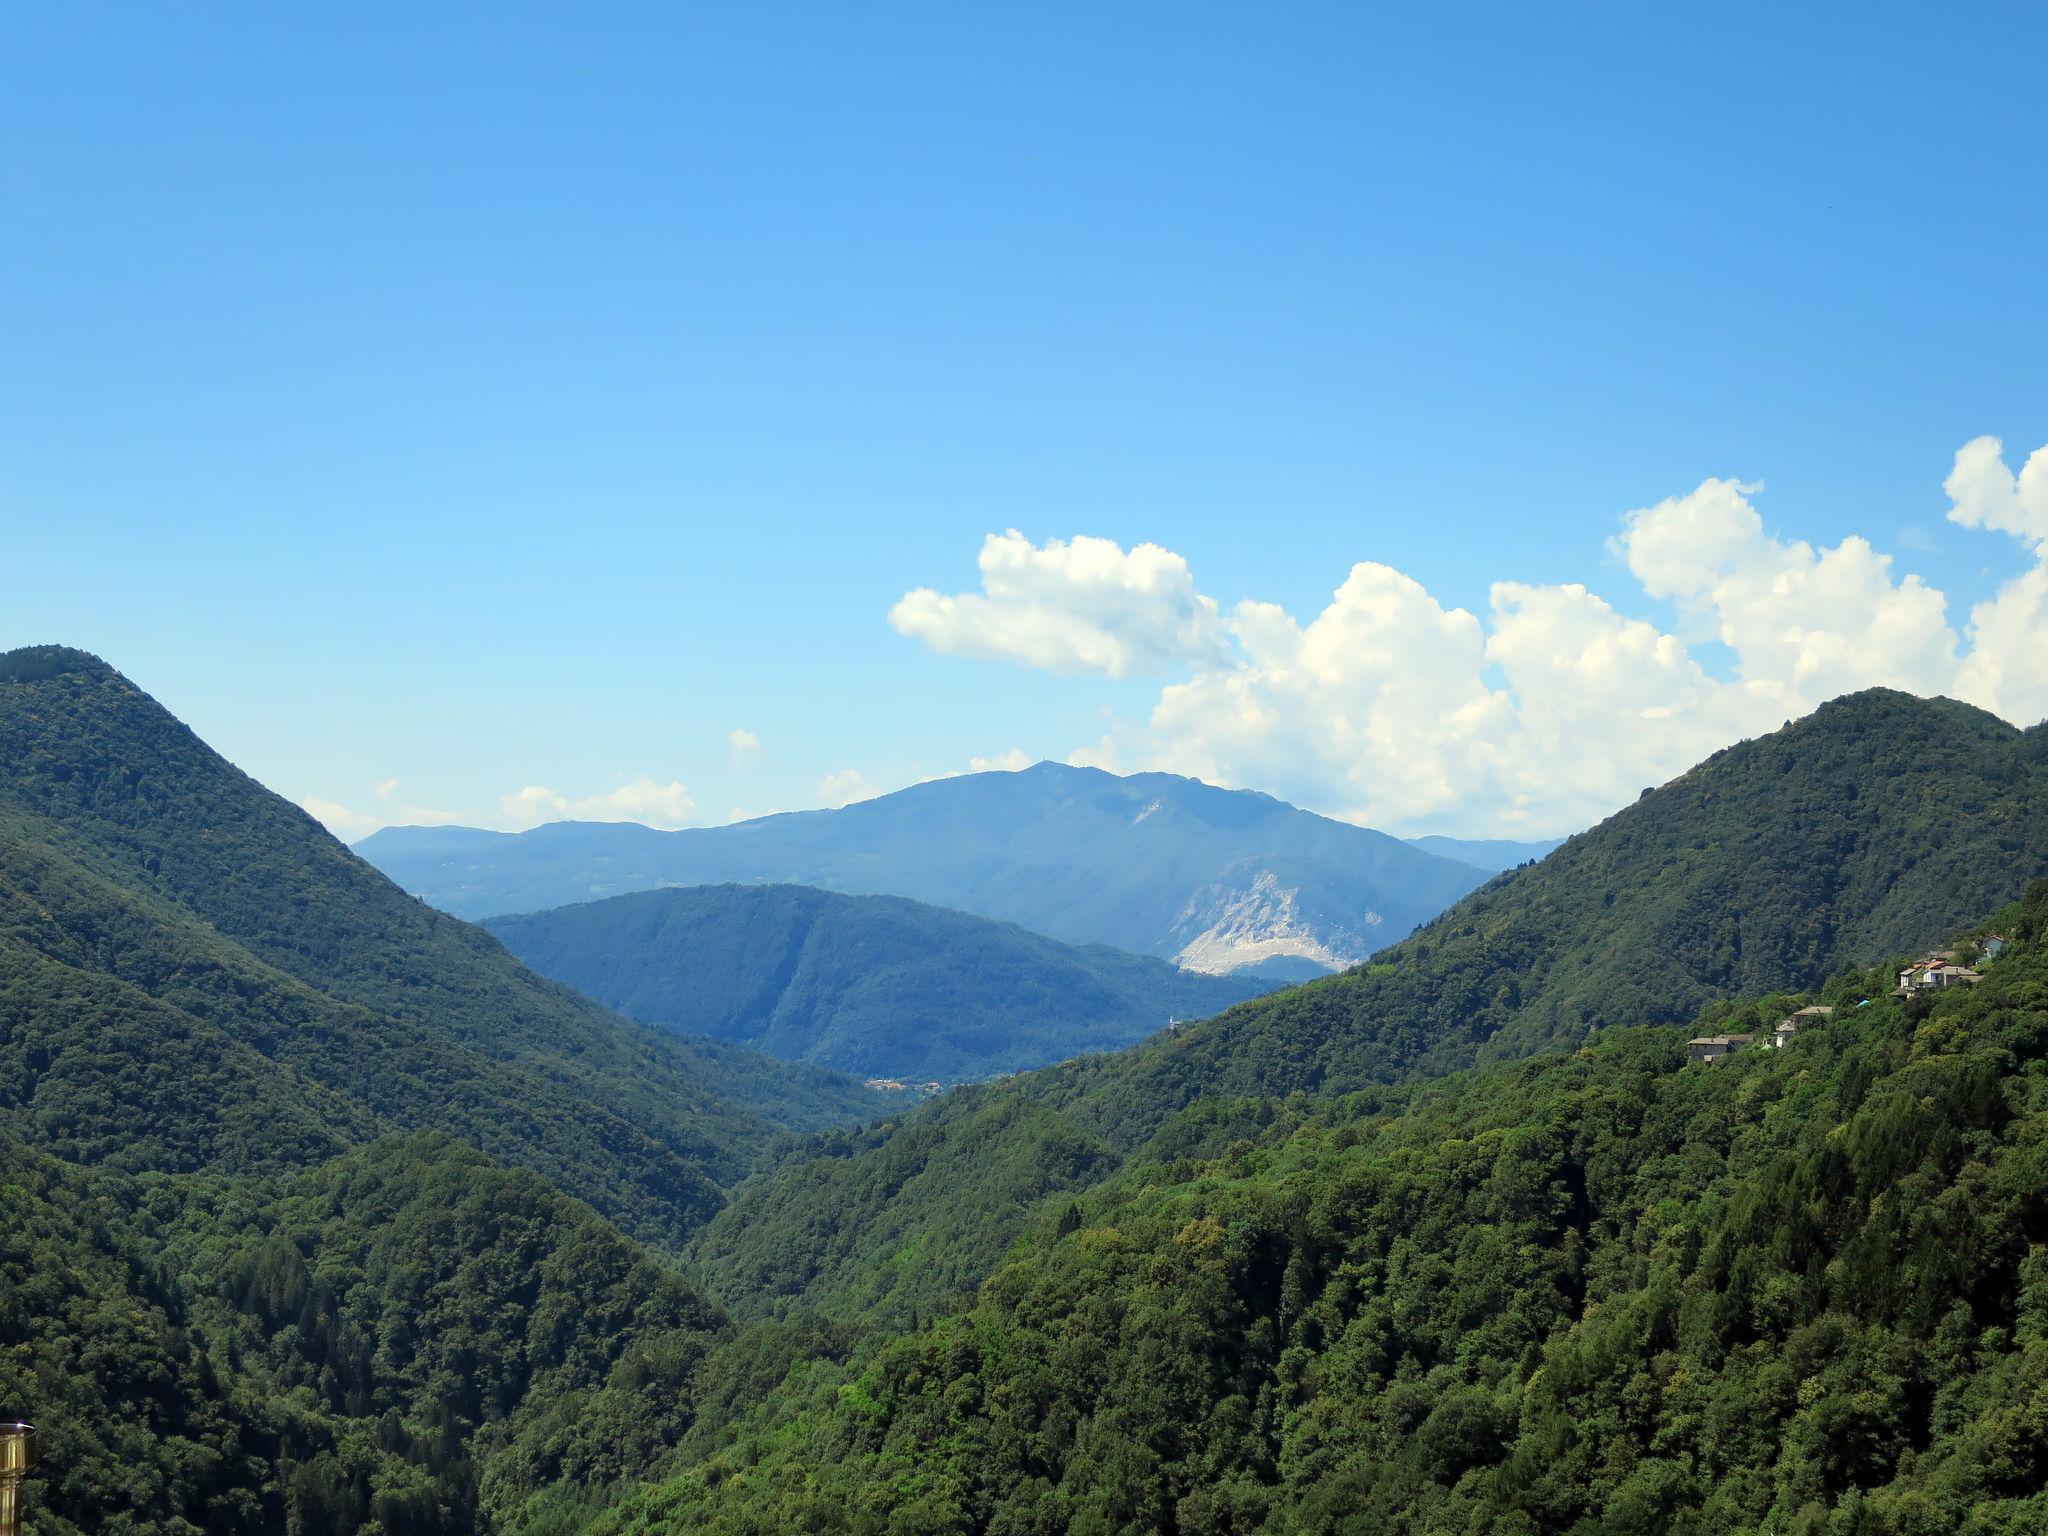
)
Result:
{"points": [[1849, 835], [194, 975], [1846, 837], [1212, 879], [264, 1264], [302, 1177], [873, 985], [1796, 1291]]}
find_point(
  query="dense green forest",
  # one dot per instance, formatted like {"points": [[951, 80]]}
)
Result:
{"points": [[873, 985], [327, 1216], [1800, 1290], [408, 1338]]}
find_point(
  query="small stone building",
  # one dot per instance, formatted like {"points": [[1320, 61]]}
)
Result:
{"points": [[1713, 1047]]}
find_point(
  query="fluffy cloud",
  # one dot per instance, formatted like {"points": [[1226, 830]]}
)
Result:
{"points": [[1552, 709], [1985, 494], [2007, 667], [1083, 605], [744, 747], [1818, 623], [1013, 761], [643, 800]]}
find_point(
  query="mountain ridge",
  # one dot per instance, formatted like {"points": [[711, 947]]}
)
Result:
{"points": [[1155, 864]]}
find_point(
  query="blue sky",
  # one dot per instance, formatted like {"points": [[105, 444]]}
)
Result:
{"points": [[532, 396]]}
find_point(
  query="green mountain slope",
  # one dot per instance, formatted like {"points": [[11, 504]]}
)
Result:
{"points": [[1800, 1290], [873, 985], [1844, 838], [193, 974]]}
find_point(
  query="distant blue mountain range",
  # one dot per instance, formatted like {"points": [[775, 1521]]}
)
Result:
{"points": [[1215, 880]]}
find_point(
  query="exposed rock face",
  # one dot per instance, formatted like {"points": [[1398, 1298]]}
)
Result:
{"points": [[1230, 927]]}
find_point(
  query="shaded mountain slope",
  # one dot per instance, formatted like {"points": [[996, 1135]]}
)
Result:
{"points": [[874, 985], [274, 997], [1153, 864], [880, 1226]]}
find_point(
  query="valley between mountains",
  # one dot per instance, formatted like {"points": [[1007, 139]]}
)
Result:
{"points": [[332, 1211]]}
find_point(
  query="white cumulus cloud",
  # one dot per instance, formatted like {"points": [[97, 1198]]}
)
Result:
{"points": [[744, 747], [1817, 622], [2007, 666], [1079, 605], [1985, 494], [642, 799], [1549, 710], [1104, 754]]}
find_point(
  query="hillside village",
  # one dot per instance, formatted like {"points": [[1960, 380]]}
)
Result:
{"points": [[929, 1089], [1932, 972]]}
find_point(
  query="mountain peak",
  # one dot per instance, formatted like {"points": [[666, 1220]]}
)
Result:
{"points": [[1153, 863], [1891, 709], [32, 663]]}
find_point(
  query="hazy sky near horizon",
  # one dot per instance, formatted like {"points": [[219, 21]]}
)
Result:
{"points": [[1452, 418]]}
